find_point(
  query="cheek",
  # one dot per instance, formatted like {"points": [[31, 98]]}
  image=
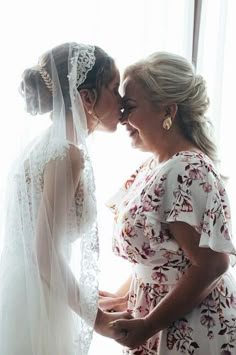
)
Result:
{"points": [[135, 121]]}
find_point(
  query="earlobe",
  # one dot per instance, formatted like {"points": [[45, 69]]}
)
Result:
{"points": [[172, 111], [88, 98]]}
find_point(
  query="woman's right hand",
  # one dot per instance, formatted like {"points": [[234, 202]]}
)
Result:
{"points": [[111, 302], [104, 322]]}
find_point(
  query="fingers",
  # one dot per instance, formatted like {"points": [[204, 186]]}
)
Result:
{"points": [[119, 324], [123, 315], [106, 294]]}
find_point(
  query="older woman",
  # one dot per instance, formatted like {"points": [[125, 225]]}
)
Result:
{"points": [[172, 219]]}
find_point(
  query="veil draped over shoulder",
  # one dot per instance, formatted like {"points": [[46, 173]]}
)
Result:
{"points": [[48, 304]]}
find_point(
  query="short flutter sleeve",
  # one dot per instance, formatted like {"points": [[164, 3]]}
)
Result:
{"points": [[192, 192]]}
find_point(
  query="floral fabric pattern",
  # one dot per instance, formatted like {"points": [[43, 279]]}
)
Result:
{"points": [[186, 188]]}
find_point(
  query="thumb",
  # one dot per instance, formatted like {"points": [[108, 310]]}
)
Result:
{"points": [[125, 315], [119, 324]]}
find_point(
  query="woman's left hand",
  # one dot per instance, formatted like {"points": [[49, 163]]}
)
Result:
{"points": [[111, 302], [131, 333]]}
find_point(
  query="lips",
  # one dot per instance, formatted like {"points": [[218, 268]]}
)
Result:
{"points": [[131, 133]]}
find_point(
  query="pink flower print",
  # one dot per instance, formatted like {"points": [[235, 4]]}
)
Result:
{"points": [[222, 191], [140, 311], [164, 289], [227, 214], [185, 330], [208, 321], [128, 230], [130, 253], [183, 327], [133, 211], [159, 276], [203, 227], [148, 232], [177, 194], [210, 335], [221, 320], [186, 206], [147, 178], [196, 174], [147, 250], [186, 159], [126, 202], [207, 187], [130, 181], [147, 206], [168, 255], [171, 340], [209, 302], [233, 300], [210, 214], [116, 250], [226, 234], [158, 190]]}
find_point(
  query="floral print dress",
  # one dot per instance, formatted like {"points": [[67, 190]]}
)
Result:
{"points": [[186, 188]]}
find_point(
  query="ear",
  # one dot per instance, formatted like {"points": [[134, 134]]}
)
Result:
{"points": [[88, 97], [171, 110]]}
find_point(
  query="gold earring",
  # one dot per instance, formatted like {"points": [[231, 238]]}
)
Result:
{"points": [[167, 123]]}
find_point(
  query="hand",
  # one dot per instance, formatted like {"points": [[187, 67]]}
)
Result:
{"points": [[111, 302], [131, 333], [104, 321]]}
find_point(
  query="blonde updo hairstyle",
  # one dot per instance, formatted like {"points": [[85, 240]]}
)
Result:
{"points": [[167, 78]]}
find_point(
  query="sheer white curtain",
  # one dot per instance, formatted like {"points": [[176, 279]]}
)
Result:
{"points": [[216, 61], [128, 30]]}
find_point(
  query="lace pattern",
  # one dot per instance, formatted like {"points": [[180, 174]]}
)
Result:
{"points": [[82, 61], [39, 215]]}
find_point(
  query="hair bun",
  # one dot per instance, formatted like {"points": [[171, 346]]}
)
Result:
{"points": [[38, 99]]}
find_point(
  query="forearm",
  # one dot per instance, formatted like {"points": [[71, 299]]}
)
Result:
{"points": [[61, 281], [190, 290], [124, 288]]}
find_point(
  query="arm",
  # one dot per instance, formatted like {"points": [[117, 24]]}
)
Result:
{"points": [[61, 179], [207, 266], [197, 282], [115, 301]]}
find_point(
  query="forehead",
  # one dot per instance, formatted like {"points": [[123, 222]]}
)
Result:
{"points": [[116, 79], [131, 89]]}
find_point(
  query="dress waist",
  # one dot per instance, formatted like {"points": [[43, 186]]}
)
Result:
{"points": [[156, 274]]}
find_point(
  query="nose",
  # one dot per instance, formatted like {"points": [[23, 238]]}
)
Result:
{"points": [[124, 117]]}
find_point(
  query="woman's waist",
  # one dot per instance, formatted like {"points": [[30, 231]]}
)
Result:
{"points": [[157, 274]]}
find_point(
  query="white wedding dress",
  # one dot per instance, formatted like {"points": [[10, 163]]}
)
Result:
{"points": [[34, 319]]}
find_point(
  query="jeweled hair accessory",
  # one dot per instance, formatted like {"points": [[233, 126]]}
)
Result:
{"points": [[82, 61], [46, 78]]}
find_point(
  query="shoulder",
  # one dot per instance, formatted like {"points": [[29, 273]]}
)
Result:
{"points": [[67, 160], [194, 165]]}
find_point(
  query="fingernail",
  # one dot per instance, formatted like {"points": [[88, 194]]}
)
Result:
{"points": [[110, 324]]}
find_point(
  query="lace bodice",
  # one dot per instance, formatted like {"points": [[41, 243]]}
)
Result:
{"points": [[29, 172]]}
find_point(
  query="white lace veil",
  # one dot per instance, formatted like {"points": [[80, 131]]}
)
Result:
{"points": [[48, 273]]}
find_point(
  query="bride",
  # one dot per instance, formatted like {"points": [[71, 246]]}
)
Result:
{"points": [[46, 306]]}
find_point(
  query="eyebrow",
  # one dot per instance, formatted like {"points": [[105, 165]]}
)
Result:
{"points": [[126, 99], [115, 85]]}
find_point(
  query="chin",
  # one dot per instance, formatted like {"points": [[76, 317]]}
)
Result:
{"points": [[139, 147], [108, 128]]}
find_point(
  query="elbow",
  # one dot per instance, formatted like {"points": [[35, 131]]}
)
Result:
{"points": [[43, 262], [220, 265]]}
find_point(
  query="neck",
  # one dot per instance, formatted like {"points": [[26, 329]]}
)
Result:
{"points": [[92, 122], [70, 129], [172, 146]]}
